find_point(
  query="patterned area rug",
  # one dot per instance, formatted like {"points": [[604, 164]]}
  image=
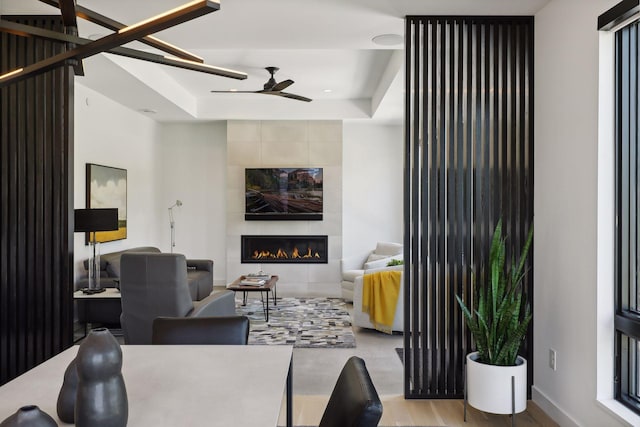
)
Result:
{"points": [[301, 322]]}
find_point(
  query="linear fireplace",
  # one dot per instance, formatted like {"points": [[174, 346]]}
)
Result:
{"points": [[284, 249]]}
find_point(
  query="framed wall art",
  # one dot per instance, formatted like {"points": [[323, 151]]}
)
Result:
{"points": [[106, 187]]}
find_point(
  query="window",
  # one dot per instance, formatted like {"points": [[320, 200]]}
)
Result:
{"points": [[627, 207]]}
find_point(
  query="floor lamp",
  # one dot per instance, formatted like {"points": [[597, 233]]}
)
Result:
{"points": [[172, 223], [90, 221]]}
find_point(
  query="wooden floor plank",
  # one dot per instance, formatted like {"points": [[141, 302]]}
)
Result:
{"points": [[398, 411]]}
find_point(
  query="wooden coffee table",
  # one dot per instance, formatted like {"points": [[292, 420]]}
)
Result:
{"points": [[270, 286]]}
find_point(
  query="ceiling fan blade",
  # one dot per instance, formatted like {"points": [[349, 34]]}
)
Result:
{"points": [[233, 91], [29, 31], [285, 95], [294, 96], [125, 35], [274, 90], [282, 85]]}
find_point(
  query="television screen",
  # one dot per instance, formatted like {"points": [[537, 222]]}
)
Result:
{"points": [[283, 193]]}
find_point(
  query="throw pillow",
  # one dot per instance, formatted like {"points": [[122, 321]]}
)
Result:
{"points": [[113, 267], [377, 264], [388, 249], [375, 257]]}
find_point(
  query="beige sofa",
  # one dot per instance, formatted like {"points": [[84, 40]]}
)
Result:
{"points": [[356, 266]]}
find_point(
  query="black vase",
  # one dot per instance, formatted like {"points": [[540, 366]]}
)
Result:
{"points": [[101, 398], [29, 416], [67, 398]]}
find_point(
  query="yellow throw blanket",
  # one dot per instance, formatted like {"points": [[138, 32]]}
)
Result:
{"points": [[380, 292]]}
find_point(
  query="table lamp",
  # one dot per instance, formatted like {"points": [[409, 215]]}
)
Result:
{"points": [[90, 221]]}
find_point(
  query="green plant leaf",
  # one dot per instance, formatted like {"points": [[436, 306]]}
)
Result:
{"points": [[500, 317]]}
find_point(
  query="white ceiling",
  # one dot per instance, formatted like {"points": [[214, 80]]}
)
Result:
{"points": [[320, 44]]}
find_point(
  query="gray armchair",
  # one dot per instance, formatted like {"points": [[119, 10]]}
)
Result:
{"points": [[154, 285]]}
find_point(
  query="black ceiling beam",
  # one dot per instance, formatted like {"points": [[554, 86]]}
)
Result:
{"points": [[113, 25], [125, 35], [68, 12], [29, 31]]}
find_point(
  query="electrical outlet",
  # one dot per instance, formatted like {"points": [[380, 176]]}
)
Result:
{"points": [[552, 358]]}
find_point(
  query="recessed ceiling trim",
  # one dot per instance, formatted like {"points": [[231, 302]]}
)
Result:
{"points": [[388, 40]]}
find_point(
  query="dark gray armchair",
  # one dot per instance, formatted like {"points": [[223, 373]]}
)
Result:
{"points": [[232, 330], [155, 285]]}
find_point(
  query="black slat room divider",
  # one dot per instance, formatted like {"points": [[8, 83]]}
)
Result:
{"points": [[36, 189], [469, 162]]}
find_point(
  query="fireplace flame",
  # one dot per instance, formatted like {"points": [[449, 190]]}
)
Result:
{"points": [[282, 254]]}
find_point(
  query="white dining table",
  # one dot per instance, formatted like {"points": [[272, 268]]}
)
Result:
{"points": [[178, 385]]}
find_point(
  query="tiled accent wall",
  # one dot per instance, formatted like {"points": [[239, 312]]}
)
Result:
{"points": [[287, 144]]}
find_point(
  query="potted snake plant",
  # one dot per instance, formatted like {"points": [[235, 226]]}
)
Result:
{"points": [[498, 321]]}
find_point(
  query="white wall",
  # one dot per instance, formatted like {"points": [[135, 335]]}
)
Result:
{"points": [[565, 204], [191, 161], [372, 186], [109, 134]]}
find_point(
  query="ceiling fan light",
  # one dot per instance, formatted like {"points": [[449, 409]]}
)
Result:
{"points": [[196, 58], [198, 7], [217, 70], [106, 22], [11, 73]]}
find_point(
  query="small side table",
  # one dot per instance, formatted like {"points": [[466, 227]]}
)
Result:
{"points": [[270, 286], [104, 307]]}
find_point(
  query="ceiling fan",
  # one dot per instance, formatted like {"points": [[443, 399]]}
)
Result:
{"points": [[271, 87]]}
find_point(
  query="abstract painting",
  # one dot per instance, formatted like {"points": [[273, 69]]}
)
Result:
{"points": [[107, 188]]}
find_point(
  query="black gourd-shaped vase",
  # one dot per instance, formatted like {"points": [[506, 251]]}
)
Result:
{"points": [[101, 399], [67, 397], [29, 416]]}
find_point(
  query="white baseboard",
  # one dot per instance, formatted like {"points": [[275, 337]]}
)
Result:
{"points": [[551, 409]]}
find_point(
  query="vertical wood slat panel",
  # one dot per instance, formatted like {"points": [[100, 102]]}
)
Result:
{"points": [[469, 143], [36, 305]]}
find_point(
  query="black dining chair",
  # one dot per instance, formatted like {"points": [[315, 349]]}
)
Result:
{"points": [[231, 330], [354, 401]]}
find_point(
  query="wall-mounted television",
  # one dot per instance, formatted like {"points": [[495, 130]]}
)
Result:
{"points": [[283, 193]]}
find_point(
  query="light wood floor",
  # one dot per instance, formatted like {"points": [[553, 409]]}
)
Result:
{"points": [[307, 410]]}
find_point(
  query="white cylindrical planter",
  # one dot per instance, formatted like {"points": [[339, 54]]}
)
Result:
{"points": [[489, 386]]}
